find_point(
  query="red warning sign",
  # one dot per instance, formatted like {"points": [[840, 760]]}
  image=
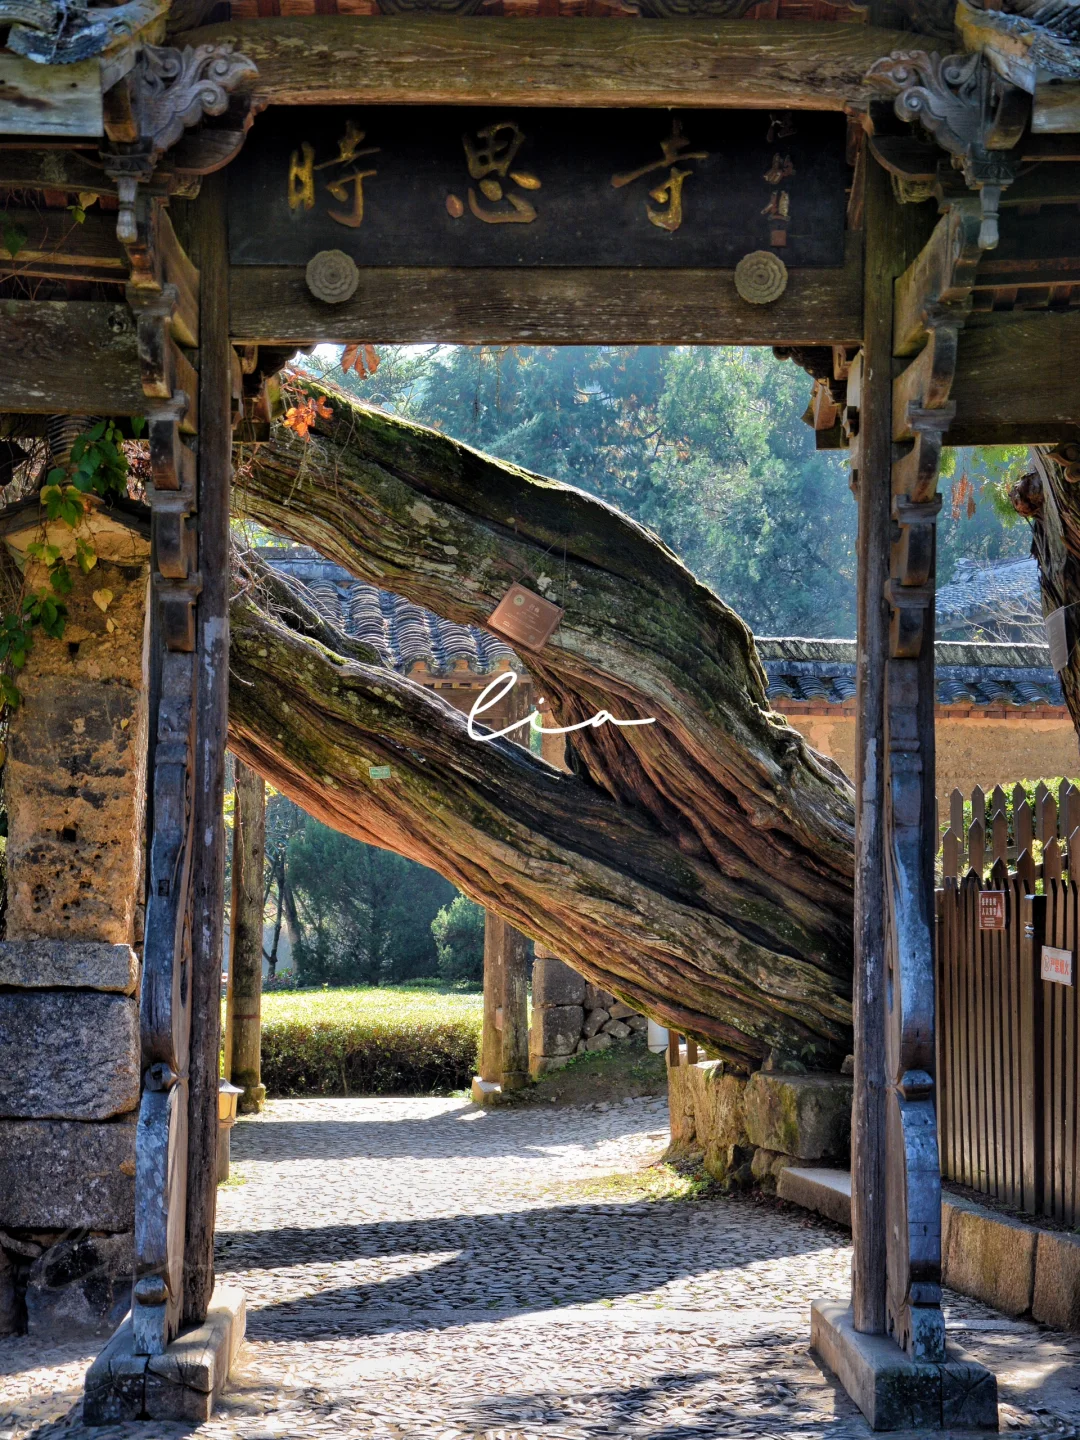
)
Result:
{"points": [[992, 910]]}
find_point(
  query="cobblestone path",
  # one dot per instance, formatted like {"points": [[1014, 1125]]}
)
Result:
{"points": [[419, 1268]]}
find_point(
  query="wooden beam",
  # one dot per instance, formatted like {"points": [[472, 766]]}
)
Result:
{"points": [[273, 306], [57, 246], [729, 64], [1016, 379], [69, 357], [50, 99]]}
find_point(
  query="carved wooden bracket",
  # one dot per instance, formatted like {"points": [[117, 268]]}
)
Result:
{"points": [[166, 92], [968, 109]]}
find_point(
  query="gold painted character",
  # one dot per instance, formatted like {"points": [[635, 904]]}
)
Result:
{"points": [[339, 189], [669, 192], [489, 158], [302, 178]]}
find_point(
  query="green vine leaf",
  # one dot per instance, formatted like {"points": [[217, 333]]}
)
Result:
{"points": [[85, 556], [14, 238]]}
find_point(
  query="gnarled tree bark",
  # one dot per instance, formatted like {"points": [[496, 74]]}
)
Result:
{"points": [[699, 867]]}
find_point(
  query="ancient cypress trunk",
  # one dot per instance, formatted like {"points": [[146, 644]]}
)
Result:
{"points": [[699, 867], [588, 876]]}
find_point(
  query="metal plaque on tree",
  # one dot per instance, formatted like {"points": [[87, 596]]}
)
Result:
{"points": [[525, 617], [1059, 631], [408, 186]]}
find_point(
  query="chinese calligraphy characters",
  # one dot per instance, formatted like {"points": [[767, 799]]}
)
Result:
{"points": [[302, 170], [489, 158], [669, 192]]}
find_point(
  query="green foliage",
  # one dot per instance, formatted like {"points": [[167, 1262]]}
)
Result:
{"points": [[96, 465], [366, 913], [458, 929], [14, 238], [385, 1041], [706, 445]]}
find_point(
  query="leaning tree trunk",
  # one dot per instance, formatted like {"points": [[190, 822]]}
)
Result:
{"points": [[1049, 496], [699, 867]]}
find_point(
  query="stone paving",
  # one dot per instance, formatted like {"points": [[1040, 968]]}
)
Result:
{"points": [[420, 1268]]}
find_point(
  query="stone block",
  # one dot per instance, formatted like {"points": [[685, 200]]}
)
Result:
{"points": [[594, 1020], [67, 1055], [556, 1030], [1056, 1299], [555, 983], [599, 1042], [182, 1385], [988, 1256], [80, 1287], [705, 1107], [62, 1175], [638, 1023], [805, 1116], [619, 1011], [597, 999], [895, 1393], [617, 1030], [826, 1192], [546, 1064], [767, 1166], [68, 965]]}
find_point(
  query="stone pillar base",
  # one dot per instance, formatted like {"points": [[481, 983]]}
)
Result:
{"points": [[485, 1092], [895, 1393], [182, 1384]]}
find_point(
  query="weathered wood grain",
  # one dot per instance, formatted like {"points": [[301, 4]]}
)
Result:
{"points": [[69, 356], [272, 305], [1016, 379], [339, 60], [56, 243], [243, 1010], [50, 99], [209, 240]]}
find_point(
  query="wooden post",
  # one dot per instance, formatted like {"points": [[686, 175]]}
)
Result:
{"points": [[243, 1013], [515, 1008], [504, 1046], [491, 1038], [871, 480], [210, 247]]}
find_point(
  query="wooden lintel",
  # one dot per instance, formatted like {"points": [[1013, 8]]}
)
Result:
{"points": [[273, 306], [50, 99], [727, 64], [68, 356], [1016, 379]]}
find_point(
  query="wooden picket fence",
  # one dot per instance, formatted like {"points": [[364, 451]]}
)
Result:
{"points": [[1008, 1057]]}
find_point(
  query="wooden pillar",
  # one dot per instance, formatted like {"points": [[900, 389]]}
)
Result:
{"points": [[210, 247], [243, 1023], [515, 1008], [504, 1046], [491, 1038], [871, 481]]}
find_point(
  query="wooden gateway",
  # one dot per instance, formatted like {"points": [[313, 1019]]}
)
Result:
{"points": [[889, 193]]}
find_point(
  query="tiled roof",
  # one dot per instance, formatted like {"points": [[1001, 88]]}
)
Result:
{"points": [[990, 596], [403, 633], [966, 674], [797, 669]]}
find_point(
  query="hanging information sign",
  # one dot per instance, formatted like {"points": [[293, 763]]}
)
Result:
{"points": [[1057, 965]]}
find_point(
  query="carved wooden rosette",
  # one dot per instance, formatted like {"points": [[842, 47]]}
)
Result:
{"points": [[931, 307], [164, 296]]}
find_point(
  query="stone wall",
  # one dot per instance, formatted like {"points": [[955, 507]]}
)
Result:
{"points": [[745, 1131], [75, 783], [571, 1016], [972, 748]]}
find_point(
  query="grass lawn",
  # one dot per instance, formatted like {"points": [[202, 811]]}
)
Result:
{"points": [[370, 1040]]}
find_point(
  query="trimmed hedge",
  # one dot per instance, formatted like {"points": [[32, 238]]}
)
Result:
{"points": [[372, 1041]]}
